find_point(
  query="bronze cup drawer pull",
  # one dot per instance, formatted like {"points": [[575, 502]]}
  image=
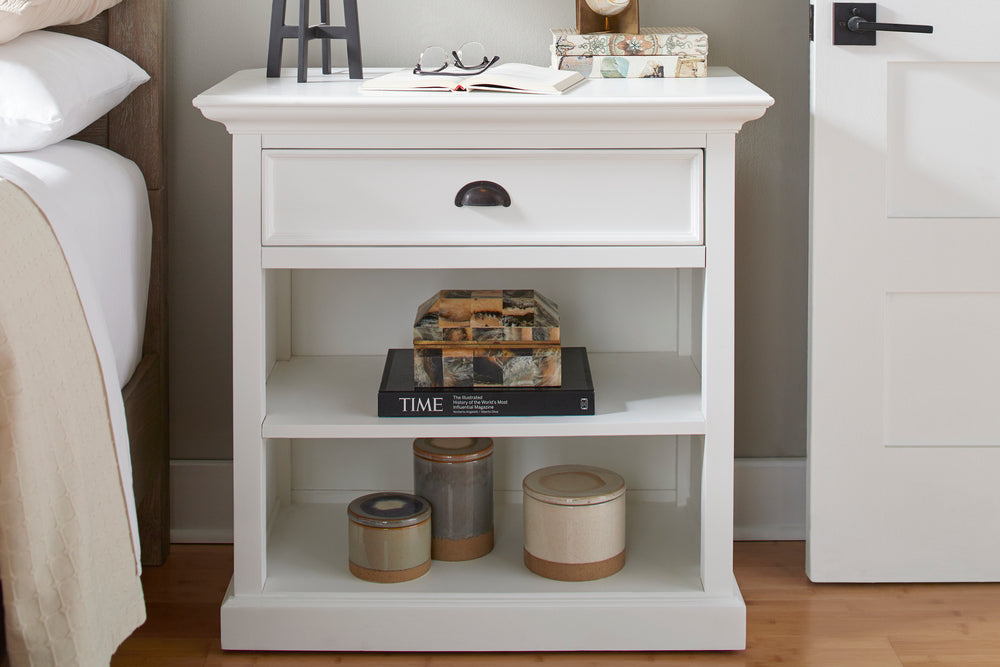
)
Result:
{"points": [[482, 193]]}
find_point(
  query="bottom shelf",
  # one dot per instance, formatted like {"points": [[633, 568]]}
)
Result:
{"points": [[311, 601]]}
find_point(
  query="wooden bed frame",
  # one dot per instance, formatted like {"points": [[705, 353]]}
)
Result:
{"points": [[135, 130]]}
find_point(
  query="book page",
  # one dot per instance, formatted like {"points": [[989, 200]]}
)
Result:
{"points": [[522, 78], [508, 77], [407, 80]]}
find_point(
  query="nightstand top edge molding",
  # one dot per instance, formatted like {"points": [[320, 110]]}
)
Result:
{"points": [[248, 102]]}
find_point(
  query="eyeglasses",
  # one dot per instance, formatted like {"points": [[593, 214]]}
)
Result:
{"points": [[434, 60]]}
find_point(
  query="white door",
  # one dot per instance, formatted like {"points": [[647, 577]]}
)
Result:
{"points": [[904, 358]]}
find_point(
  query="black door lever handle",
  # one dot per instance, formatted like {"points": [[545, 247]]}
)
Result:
{"points": [[859, 24], [856, 24]]}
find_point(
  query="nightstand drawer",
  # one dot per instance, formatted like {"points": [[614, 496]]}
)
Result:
{"points": [[408, 197]]}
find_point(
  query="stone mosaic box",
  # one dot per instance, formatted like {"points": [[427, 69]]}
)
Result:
{"points": [[487, 338]]}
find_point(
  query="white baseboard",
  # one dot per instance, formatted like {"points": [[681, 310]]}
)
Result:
{"points": [[201, 502], [770, 500]]}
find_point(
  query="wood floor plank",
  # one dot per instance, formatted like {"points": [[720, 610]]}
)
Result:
{"points": [[948, 652], [790, 621]]}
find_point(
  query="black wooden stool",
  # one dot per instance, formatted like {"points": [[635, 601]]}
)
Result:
{"points": [[303, 32]]}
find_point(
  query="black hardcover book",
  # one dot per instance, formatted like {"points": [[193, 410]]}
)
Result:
{"points": [[397, 396]]}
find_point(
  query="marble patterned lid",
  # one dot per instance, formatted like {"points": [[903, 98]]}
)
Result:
{"points": [[496, 317]]}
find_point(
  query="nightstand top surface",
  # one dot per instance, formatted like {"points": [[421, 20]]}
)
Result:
{"points": [[721, 86]]}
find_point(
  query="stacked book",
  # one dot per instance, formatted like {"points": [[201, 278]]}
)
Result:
{"points": [[398, 395], [655, 53]]}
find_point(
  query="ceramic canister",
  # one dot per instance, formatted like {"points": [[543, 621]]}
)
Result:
{"points": [[390, 536], [574, 522], [456, 476]]}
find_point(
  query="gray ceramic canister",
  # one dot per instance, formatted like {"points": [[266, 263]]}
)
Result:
{"points": [[456, 476]]}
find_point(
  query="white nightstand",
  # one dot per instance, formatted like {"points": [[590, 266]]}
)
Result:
{"points": [[344, 220]]}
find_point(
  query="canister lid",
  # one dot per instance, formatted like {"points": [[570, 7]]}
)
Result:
{"points": [[389, 509], [453, 450], [574, 485]]}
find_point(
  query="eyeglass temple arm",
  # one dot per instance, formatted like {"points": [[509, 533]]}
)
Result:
{"points": [[484, 63], [479, 69]]}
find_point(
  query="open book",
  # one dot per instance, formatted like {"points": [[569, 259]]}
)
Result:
{"points": [[505, 78]]}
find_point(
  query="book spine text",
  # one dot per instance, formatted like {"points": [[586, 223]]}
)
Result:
{"points": [[484, 403]]}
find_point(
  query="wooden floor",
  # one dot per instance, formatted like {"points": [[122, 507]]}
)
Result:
{"points": [[790, 621]]}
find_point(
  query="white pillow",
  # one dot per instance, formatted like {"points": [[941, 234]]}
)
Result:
{"points": [[54, 85], [20, 16]]}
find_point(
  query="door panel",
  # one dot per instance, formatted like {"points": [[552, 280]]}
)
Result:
{"points": [[952, 339], [904, 395], [934, 110]]}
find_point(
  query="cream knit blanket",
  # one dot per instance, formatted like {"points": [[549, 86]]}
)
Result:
{"points": [[71, 588]]}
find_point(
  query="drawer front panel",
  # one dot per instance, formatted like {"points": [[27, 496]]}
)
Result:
{"points": [[407, 197]]}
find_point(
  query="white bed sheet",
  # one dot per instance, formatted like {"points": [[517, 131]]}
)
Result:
{"points": [[96, 202]]}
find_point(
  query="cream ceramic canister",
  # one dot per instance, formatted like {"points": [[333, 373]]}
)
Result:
{"points": [[608, 7], [456, 476], [389, 534], [574, 522]]}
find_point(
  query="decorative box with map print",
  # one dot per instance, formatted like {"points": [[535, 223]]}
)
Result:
{"points": [[487, 338]]}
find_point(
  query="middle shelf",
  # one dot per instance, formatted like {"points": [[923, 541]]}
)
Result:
{"points": [[636, 393]]}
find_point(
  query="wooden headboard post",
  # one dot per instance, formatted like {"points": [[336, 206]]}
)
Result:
{"points": [[135, 129]]}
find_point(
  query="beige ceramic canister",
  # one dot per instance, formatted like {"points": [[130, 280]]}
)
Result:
{"points": [[574, 522], [390, 536]]}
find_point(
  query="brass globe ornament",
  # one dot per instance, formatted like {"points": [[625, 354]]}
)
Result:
{"points": [[608, 7], [595, 16]]}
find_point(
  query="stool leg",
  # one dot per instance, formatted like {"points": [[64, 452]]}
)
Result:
{"points": [[303, 36], [353, 38], [324, 18], [276, 38]]}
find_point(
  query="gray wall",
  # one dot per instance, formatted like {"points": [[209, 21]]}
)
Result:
{"points": [[764, 40]]}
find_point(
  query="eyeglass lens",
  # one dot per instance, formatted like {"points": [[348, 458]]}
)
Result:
{"points": [[471, 54], [435, 58]]}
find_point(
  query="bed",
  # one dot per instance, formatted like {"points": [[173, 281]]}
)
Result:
{"points": [[134, 130]]}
